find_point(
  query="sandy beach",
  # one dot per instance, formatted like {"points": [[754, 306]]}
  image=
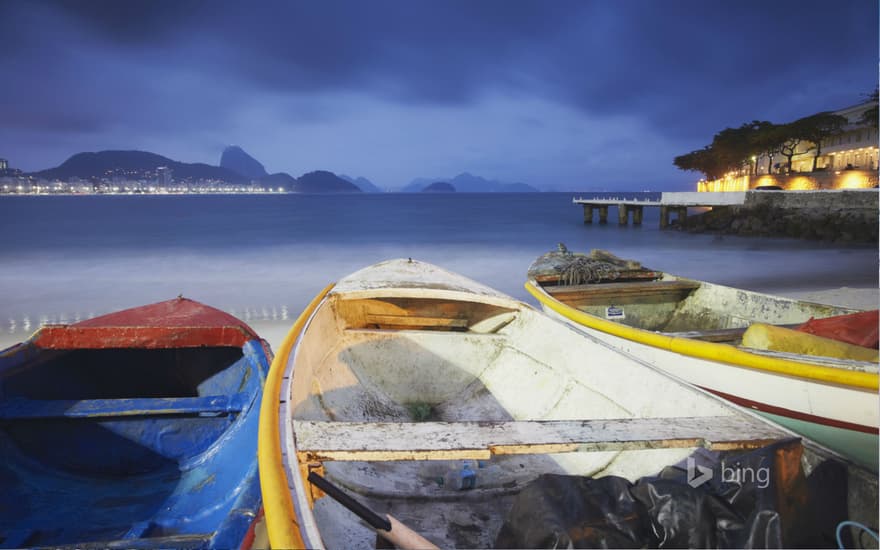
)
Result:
{"points": [[857, 298]]}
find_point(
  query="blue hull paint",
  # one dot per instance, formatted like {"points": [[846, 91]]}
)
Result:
{"points": [[118, 469]]}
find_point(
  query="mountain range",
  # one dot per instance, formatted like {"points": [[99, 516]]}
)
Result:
{"points": [[319, 181], [322, 181], [363, 183], [439, 187], [234, 158], [142, 164], [238, 167], [135, 163], [469, 183]]}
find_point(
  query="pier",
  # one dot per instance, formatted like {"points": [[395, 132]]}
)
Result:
{"points": [[669, 204]]}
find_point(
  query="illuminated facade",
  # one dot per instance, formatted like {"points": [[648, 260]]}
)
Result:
{"points": [[4, 164], [855, 148], [848, 160]]}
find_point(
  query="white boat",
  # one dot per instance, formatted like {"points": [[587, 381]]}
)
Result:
{"points": [[694, 330], [404, 384]]}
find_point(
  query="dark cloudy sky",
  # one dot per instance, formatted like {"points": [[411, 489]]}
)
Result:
{"points": [[567, 95]]}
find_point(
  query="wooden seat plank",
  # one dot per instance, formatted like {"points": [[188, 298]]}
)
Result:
{"points": [[624, 289], [415, 321], [480, 440]]}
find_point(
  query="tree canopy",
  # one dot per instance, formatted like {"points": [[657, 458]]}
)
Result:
{"points": [[736, 148], [731, 149]]}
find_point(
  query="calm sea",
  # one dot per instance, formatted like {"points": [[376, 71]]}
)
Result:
{"points": [[65, 258]]}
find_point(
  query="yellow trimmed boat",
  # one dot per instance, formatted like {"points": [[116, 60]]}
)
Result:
{"points": [[709, 335], [415, 391]]}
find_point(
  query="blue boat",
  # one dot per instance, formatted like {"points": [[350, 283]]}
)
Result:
{"points": [[137, 429]]}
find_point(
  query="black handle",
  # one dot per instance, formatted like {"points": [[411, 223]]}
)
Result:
{"points": [[375, 520]]}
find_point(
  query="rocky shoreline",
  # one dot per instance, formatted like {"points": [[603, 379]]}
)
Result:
{"points": [[840, 221]]}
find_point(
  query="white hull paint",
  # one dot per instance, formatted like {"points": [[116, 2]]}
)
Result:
{"points": [[511, 390], [824, 404]]}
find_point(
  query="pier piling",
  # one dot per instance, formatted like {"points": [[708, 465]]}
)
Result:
{"points": [[670, 203], [622, 214], [588, 213], [623, 211], [680, 212]]}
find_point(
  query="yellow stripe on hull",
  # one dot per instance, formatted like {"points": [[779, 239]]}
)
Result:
{"points": [[723, 353], [278, 506]]}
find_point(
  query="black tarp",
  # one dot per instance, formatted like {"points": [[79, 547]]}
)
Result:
{"points": [[757, 499]]}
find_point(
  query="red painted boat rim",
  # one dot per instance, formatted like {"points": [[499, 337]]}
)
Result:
{"points": [[177, 323]]}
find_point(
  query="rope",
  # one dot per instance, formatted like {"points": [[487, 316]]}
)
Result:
{"points": [[582, 270], [857, 525]]}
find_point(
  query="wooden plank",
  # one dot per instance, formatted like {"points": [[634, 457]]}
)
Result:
{"points": [[18, 409], [355, 312], [624, 276], [625, 289], [415, 321], [382, 441]]}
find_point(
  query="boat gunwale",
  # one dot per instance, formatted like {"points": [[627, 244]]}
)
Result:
{"points": [[282, 523], [712, 351], [176, 323]]}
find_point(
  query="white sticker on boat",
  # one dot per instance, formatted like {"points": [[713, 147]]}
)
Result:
{"points": [[614, 312]]}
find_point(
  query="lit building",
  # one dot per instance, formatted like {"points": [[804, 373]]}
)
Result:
{"points": [[165, 176], [4, 164], [848, 159], [855, 148]]}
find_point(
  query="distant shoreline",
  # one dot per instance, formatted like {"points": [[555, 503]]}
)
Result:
{"points": [[275, 193], [165, 194]]}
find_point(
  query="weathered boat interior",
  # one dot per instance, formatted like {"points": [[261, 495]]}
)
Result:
{"points": [[408, 402], [625, 292], [688, 308], [125, 447]]}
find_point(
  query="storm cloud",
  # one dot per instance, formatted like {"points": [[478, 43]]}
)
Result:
{"points": [[567, 95]]}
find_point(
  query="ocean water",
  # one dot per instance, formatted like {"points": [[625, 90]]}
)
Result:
{"points": [[263, 257]]}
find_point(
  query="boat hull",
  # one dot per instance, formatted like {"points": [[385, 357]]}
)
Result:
{"points": [[143, 437], [845, 418], [419, 391]]}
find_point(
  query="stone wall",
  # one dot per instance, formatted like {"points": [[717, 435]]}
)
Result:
{"points": [[844, 216]]}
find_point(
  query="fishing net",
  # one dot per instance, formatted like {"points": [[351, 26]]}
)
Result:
{"points": [[581, 270], [570, 268]]}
